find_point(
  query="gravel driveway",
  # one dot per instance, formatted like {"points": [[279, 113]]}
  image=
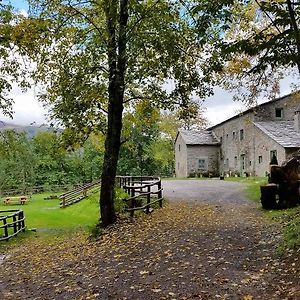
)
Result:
{"points": [[205, 191]]}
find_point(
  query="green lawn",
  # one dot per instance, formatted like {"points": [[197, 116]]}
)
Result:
{"points": [[46, 214], [48, 218]]}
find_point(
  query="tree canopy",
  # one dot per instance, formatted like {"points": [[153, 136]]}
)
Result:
{"points": [[94, 59], [258, 46], [101, 64], [12, 65]]}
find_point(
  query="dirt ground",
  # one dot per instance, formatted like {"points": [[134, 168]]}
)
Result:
{"points": [[210, 245]]}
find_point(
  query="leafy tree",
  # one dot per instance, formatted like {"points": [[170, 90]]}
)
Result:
{"points": [[140, 130], [191, 117], [259, 43], [93, 150], [12, 66], [95, 57], [51, 166], [17, 162]]}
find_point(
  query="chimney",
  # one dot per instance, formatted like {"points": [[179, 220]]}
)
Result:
{"points": [[297, 121]]}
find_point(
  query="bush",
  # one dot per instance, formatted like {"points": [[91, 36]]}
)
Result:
{"points": [[120, 204]]}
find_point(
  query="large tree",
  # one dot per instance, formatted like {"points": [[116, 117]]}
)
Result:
{"points": [[95, 57]]}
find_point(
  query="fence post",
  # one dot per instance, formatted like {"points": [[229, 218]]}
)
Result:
{"points": [[148, 199], [15, 223], [159, 195], [19, 221], [5, 228], [133, 200], [23, 220], [63, 202]]}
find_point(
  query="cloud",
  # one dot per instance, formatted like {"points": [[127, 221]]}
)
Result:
{"points": [[26, 108], [219, 113], [218, 107], [23, 12]]}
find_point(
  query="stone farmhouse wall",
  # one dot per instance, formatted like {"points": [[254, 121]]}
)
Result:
{"points": [[236, 138], [251, 152], [180, 157], [263, 146], [288, 104], [245, 149], [207, 152], [187, 158]]}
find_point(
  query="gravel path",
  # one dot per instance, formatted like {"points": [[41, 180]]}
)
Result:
{"points": [[205, 191]]}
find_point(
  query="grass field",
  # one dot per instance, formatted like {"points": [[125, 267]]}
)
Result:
{"points": [[48, 218], [46, 214]]}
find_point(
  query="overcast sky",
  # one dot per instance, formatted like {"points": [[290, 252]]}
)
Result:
{"points": [[27, 109]]}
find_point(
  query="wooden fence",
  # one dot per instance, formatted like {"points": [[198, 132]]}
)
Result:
{"points": [[143, 191], [29, 190], [12, 221], [77, 194]]}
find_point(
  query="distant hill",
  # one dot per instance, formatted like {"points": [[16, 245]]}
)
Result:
{"points": [[31, 130]]}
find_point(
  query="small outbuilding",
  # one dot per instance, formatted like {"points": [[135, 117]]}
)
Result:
{"points": [[196, 153]]}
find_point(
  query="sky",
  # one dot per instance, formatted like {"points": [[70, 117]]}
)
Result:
{"points": [[27, 109]]}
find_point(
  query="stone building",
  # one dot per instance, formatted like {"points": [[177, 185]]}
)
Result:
{"points": [[243, 144]]}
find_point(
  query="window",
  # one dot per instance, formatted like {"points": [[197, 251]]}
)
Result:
{"points": [[260, 159], [226, 163], [250, 163], [279, 113], [179, 148], [202, 164], [233, 135], [227, 136], [243, 161], [273, 157], [241, 134], [235, 161], [221, 139]]}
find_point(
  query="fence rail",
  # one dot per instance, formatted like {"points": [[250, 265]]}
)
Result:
{"points": [[77, 194], [38, 189], [141, 190], [12, 222]]}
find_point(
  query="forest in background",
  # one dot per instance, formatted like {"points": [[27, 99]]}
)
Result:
{"points": [[48, 159]]}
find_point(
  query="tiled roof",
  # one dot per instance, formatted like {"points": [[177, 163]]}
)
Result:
{"points": [[203, 137], [282, 132]]}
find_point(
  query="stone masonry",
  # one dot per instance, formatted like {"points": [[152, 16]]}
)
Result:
{"points": [[245, 143]]}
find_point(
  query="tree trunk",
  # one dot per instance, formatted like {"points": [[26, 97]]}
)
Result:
{"points": [[117, 69]]}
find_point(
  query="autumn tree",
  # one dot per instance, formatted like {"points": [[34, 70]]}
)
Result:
{"points": [[95, 58], [258, 46]]}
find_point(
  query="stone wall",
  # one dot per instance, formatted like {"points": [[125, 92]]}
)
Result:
{"points": [[289, 105], [241, 156], [263, 147], [237, 145], [209, 153]]}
